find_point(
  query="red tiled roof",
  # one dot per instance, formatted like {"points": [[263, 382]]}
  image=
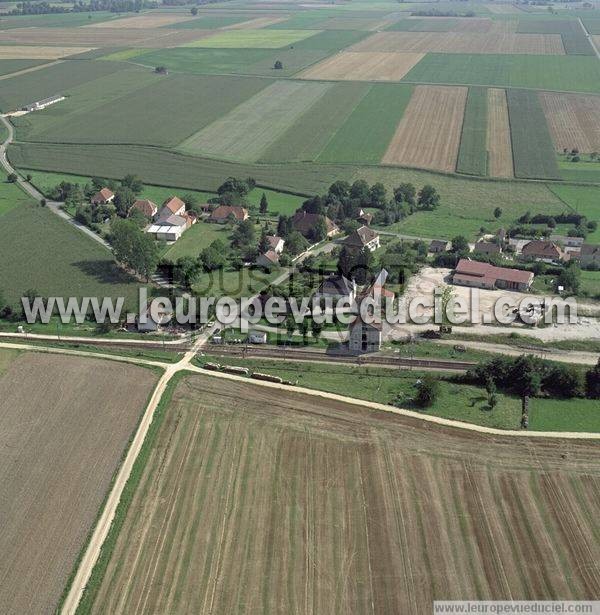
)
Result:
{"points": [[543, 249], [475, 269], [174, 204], [104, 194], [222, 212], [147, 207], [305, 222]]}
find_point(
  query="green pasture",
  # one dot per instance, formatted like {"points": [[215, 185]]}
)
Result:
{"points": [[210, 22], [196, 238], [472, 154], [12, 66], [57, 20], [248, 39], [582, 171], [583, 200]]}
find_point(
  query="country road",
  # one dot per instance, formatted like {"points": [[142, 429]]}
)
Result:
{"points": [[589, 37]]}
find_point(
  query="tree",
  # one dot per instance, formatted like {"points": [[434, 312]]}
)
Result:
{"points": [[346, 261], [264, 204], [186, 271], [427, 392], [133, 183], [360, 191], [319, 232], [364, 265], [11, 178], [295, 243], [134, 248], [194, 10], [214, 256], [405, 193], [191, 203], [316, 329], [497, 212], [340, 189], [592, 382], [278, 65], [460, 245], [124, 199], [290, 325], [244, 234], [428, 198], [526, 376], [263, 244], [378, 195], [570, 279], [303, 328], [233, 185]]}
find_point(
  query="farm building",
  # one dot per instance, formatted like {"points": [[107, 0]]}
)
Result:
{"points": [[567, 242], [267, 260], [361, 238], [42, 104], [172, 206], [483, 275], [439, 245], [147, 207], [305, 223], [590, 254], [171, 228], [545, 251], [225, 213], [364, 337], [337, 287], [275, 243], [103, 197], [364, 218], [487, 247]]}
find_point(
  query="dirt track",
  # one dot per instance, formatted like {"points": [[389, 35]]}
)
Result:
{"points": [[64, 424], [262, 501]]}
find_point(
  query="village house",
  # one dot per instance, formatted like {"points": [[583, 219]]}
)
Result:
{"points": [[483, 275], [364, 336], [361, 238], [104, 196], [487, 247], [305, 222], [589, 255], [145, 206], [545, 251], [173, 206], [268, 260], [171, 228], [226, 213], [438, 245], [337, 287], [276, 243], [364, 218]]}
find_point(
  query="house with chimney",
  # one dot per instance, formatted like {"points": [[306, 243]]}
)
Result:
{"points": [[305, 223], [362, 238]]}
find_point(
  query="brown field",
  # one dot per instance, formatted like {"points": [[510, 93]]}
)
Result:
{"points": [[500, 162], [102, 37], [428, 135], [33, 52], [64, 425], [255, 24], [503, 9], [364, 66], [262, 501], [574, 120], [463, 42], [155, 20]]}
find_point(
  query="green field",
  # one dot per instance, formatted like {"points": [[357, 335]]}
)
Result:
{"points": [[196, 238], [472, 155], [248, 39], [583, 200], [365, 135], [533, 151], [592, 25], [562, 73], [331, 40], [57, 79], [40, 251], [12, 66], [247, 131], [60, 20], [583, 171], [210, 22], [307, 137], [149, 115]]}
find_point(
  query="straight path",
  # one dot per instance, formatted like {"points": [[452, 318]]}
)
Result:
{"points": [[31, 69], [589, 37]]}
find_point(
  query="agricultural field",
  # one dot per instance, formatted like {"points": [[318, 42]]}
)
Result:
{"points": [[263, 524], [65, 423], [148, 21], [12, 66], [249, 39], [500, 160], [472, 154], [573, 120], [428, 135], [533, 152], [38, 52], [584, 200]]}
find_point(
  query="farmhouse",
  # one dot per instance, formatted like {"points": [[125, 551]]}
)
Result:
{"points": [[487, 247], [483, 275], [171, 228], [305, 223], [545, 251], [363, 237], [172, 206], [103, 197], [147, 207], [439, 245], [226, 213], [364, 337], [364, 218], [590, 254], [42, 104], [268, 260], [275, 243], [337, 287]]}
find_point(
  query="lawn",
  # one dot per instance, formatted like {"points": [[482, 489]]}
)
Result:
{"points": [[312, 131], [250, 39], [57, 79], [148, 114], [196, 238], [366, 133], [472, 155], [40, 251], [533, 150], [561, 73], [397, 387], [584, 200]]}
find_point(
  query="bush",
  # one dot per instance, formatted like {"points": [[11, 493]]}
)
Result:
{"points": [[427, 392]]}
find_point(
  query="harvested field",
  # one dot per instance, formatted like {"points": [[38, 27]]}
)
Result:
{"points": [[154, 20], [102, 37], [573, 120], [428, 135], [453, 24], [463, 42], [261, 501], [64, 425], [31, 52], [366, 66], [500, 162], [246, 132]]}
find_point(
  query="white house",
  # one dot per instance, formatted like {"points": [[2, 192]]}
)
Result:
{"points": [[363, 237], [275, 243]]}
